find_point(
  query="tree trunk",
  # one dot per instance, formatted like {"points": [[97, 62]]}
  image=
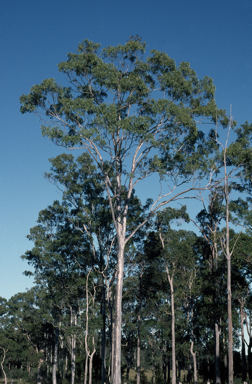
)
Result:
{"points": [[138, 350], [230, 323], [73, 343], [225, 361], [4, 351], [103, 352], [250, 359], [66, 363], [249, 330], [91, 363], [170, 278], [111, 338], [228, 256], [86, 369], [194, 364], [55, 356], [118, 317], [217, 353], [40, 373], [244, 364], [73, 359], [173, 337]]}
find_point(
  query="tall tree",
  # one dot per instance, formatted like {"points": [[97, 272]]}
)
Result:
{"points": [[135, 117], [209, 220]]}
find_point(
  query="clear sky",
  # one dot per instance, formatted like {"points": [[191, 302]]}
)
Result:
{"points": [[213, 35]]}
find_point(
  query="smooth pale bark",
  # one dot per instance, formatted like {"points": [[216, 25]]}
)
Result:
{"points": [[225, 247], [217, 332], [194, 364], [250, 358], [66, 363], [249, 330], [118, 317], [139, 326], [170, 279], [73, 349], [55, 356], [86, 369], [111, 339], [88, 355], [225, 359], [5, 350], [244, 363], [86, 334], [91, 363], [103, 352], [230, 323]]}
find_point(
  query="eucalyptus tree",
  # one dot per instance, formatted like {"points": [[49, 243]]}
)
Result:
{"points": [[179, 269], [235, 161], [135, 116], [83, 191], [241, 270], [208, 221], [26, 332], [57, 253], [4, 337]]}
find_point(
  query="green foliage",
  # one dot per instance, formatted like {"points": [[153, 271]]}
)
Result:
{"points": [[116, 95], [132, 115]]}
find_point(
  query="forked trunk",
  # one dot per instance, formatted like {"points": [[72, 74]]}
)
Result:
{"points": [[91, 363], [194, 364]]}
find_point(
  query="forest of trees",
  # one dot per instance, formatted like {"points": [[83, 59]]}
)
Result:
{"points": [[161, 286]]}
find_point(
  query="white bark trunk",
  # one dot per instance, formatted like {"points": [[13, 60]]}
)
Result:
{"points": [[91, 363], [86, 369], [228, 256], [170, 279], [73, 347], [194, 364], [55, 356], [118, 317], [4, 351], [217, 354]]}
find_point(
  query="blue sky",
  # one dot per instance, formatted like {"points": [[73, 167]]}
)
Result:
{"points": [[214, 36]]}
